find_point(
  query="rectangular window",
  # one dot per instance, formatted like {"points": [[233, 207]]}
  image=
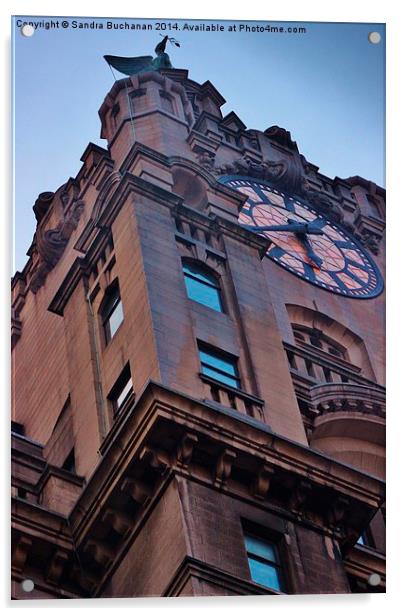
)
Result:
{"points": [[112, 313], [263, 562], [122, 391], [202, 286], [124, 394], [219, 366]]}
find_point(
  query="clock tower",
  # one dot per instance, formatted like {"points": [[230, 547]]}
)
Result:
{"points": [[198, 380]]}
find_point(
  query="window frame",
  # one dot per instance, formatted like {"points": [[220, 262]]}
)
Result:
{"points": [[223, 356], [124, 379], [207, 272], [112, 299], [265, 536]]}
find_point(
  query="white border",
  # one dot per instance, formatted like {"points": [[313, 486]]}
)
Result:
{"points": [[293, 10]]}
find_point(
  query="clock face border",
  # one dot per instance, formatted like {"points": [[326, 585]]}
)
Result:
{"points": [[371, 294]]}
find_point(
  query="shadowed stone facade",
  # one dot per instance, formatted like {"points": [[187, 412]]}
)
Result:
{"points": [[155, 499]]}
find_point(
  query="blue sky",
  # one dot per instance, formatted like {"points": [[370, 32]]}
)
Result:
{"points": [[325, 86]]}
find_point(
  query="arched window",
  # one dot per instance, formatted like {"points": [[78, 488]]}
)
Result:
{"points": [[111, 311], [316, 338], [202, 286], [312, 328]]}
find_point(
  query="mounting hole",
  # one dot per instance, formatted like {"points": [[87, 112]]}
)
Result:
{"points": [[374, 579], [27, 30], [27, 585], [374, 38]]}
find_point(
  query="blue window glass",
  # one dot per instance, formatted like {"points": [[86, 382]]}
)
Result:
{"points": [[261, 548], [263, 562], [219, 366], [202, 287]]}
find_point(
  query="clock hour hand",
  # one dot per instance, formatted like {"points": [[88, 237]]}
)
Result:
{"points": [[309, 249]]}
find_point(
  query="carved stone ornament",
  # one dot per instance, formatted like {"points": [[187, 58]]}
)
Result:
{"points": [[299, 496], [42, 204], [280, 136], [337, 513], [206, 160], [185, 449], [320, 200], [261, 485], [223, 467], [369, 240], [266, 170], [50, 244]]}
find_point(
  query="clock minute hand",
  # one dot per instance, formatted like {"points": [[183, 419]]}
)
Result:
{"points": [[292, 227]]}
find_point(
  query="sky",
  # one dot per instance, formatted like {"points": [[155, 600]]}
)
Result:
{"points": [[326, 86]]}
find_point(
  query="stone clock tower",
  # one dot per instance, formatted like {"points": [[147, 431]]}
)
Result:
{"points": [[198, 371]]}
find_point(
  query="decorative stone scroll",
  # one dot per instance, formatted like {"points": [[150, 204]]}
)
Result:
{"points": [[272, 171], [50, 244], [370, 240], [223, 467], [322, 202]]}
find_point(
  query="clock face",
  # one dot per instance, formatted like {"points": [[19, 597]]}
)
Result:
{"points": [[334, 260]]}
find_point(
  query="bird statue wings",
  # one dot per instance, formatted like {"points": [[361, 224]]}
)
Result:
{"points": [[141, 64]]}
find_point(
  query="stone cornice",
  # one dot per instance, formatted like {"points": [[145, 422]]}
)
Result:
{"points": [[159, 406], [193, 567], [48, 526], [323, 394], [259, 242], [208, 89], [141, 150], [55, 471], [132, 184], [154, 441], [94, 148], [372, 188], [333, 362], [144, 114], [363, 562]]}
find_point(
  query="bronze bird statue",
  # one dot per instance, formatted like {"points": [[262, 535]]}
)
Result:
{"points": [[142, 64]]}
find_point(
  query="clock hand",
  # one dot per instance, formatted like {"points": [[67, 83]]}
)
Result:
{"points": [[301, 229], [292, 227], [309, 249]]}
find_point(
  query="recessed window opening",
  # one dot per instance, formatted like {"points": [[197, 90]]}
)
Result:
{"points": [[219, 366], [264, 563], [122, 391], [112, 312], [202, 286], [70, 462]]}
